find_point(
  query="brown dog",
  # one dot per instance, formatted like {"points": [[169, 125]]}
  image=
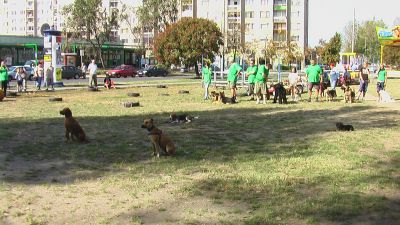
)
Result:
{"points": [[158, 139], [349, 94], [72, 126]]}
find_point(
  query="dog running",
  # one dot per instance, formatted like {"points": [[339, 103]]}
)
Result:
{"points": [[72, 127], [158, 139], [341, 127]]}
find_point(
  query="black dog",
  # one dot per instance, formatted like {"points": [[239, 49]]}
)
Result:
{"points": [[280, 93], [341, 127], [174, 118], [331, 94]]}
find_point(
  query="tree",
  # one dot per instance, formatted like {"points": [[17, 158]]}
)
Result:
{"points": [[156, 15], [291, 52], [391, 55], [366, 40], [270, 50], [331, 51], [88, 20], [187, 41], [233, 40]]}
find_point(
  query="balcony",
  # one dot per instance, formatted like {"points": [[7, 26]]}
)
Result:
{"points": [[280, 7], [280, 19]]}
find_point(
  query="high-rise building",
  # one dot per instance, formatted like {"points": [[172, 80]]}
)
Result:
{"points": [[241, 21]]}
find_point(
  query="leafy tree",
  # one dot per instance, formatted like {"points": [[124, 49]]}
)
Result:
{"points": [[270, 51], [366, 40], [391, 55], [187, 41], [331, 50], [88, 20], [291, 52], [156, 15], [233, 40]]}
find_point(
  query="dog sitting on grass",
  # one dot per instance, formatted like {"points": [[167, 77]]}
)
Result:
{"points": [[341, 127], [280, 93], [158, 139], [349, 94], [72, 127]]}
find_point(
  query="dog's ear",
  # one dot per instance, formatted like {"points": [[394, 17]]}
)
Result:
{"points": [[151, 120]]}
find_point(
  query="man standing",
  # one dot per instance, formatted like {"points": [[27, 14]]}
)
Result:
{"points": [[234, 71], [92, 74], [364, 80], [39, 75], [3, 77], [313, 73], [251, 75], [261, 82]]}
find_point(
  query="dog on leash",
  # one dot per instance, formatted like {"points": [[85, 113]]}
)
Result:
{"points": [[158, 139], [72, 127], [280, 93], [174, 118], [341, 127], [330, 94]]}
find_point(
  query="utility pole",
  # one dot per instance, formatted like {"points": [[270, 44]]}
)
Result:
{"points": [[354, 30]]}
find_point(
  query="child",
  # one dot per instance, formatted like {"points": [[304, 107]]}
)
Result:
{"points": [[293, 79], [19, 76], [108, 82], [206, 78]]}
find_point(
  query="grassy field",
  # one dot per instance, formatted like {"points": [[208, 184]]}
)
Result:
{"points": [[236, 164]]}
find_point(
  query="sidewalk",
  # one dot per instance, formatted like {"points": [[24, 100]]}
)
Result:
{"points": [[31, 88]]}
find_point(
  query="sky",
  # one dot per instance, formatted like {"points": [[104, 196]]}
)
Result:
{"points": [[329, 16]]}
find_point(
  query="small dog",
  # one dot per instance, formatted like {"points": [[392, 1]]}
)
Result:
{"points": [[72, 127], [349, 94], [330, 94], [174, 118], [159, 140], [341, 127], [384, 97], [297, 93], [280, 93]]}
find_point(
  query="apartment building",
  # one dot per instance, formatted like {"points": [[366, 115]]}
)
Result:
{"points": [[258, 21]]}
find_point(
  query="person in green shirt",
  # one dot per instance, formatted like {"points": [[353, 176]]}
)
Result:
{"points": [[251, 76], [382, 79], [261, 79], [313, 74], [3, 77], [233, 73], [206, 71]]}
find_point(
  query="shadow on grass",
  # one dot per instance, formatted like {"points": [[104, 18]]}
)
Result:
{"points": [[218, 136]]}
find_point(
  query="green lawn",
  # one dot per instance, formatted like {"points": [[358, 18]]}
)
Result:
{"points": [[236, 164]]}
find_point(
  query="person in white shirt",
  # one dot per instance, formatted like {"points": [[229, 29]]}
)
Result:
{"points": [[293, 79], [92, 69]]}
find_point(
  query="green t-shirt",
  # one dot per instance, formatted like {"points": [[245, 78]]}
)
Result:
{"points": [[313, 73], [206, 75], [3, 74], [251, 74], [382, 76], [260, 74], [233, 71]]}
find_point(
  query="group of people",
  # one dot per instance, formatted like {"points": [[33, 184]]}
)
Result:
{"points": [[317, 80]]}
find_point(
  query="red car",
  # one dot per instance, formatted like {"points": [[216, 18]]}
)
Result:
{"points": [[122, 71]]}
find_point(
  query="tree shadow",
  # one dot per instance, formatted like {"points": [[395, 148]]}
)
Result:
{"points": [[218, 136]]}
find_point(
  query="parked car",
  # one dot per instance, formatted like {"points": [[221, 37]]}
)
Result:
{"points": [[153, 71], [13, 70], [122, 71], [184, 69], [69, 72], [30, 62]]}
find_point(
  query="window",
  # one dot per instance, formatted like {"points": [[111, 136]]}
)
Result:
{"points": [[249, 26], [250, 14], [264, 14], [295, 38], [264, 2], [233, 2], [113, 4], [264, 26], [234, 14], [249, 2], [296, 14]]}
